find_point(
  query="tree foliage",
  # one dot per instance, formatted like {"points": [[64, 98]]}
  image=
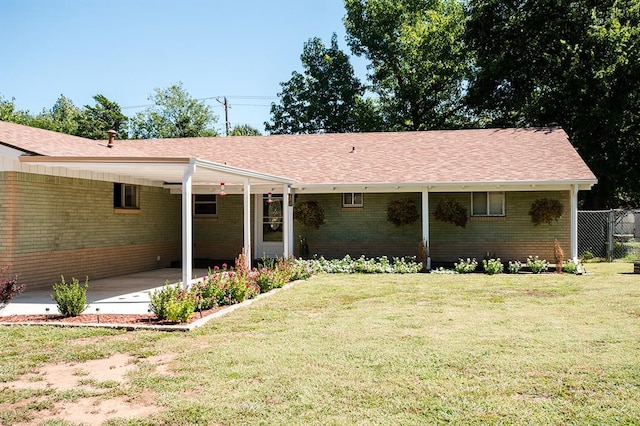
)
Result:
{"points": [[244, 130], [174, 114], [95, 121], [325, 98], [574, 64], [419, 63], [9, 112], [63, 117]]}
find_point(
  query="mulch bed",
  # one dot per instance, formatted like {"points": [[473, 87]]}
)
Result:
{"points": [[144, 319]]}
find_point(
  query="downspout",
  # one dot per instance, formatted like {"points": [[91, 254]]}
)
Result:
{"points": [[187, 226], [574, 221]]}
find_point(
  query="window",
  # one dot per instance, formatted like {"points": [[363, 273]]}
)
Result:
{"points": [[352, 199], [487, 204], [126, 196], [205, 205]]}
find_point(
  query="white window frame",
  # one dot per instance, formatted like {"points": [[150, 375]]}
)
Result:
{"points": [[122, 204], [352, 204], [488, 213], [197, 202]]}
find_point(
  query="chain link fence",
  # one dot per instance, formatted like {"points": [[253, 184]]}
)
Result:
{"points": [[609, 234]]}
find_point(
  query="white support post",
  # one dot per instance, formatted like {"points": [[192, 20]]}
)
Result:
{"points": [[292, 231], [425, 224], [247, 223], [286, 224], [574, 221], [187, 227]]}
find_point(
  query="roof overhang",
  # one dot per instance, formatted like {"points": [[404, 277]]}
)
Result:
{"points": [[583, 185], [159, 170]]}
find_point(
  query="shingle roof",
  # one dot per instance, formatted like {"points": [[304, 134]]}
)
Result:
{"points": [[433, 157]]}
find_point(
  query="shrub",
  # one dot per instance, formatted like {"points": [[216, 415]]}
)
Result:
{"points": [[347, 265], [172, 303], [493, 266], [465, 266], [71, 298], [181, 307], [402, 212], [451, 211], [558, 255], [514, 267], [9, 287], [159, 300], [570, 267], [537, 265]]}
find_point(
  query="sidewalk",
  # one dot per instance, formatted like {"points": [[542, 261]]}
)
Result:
{"points": [[125, 294]]}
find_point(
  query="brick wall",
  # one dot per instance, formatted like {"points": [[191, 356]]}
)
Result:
{"points": [[512, 237], [63, 226], [360, 230], [221, 237]]}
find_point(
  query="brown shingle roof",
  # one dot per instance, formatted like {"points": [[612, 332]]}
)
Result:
{"points": [[447, 156]]}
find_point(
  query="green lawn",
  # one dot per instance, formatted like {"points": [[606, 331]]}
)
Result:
{"points": [[385, 349]]}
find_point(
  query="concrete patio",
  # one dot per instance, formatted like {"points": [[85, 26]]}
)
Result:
{"points": [[124, 294]]}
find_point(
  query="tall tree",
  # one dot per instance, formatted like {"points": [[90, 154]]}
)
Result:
{"points": [[174, 114], [325, 98], [244, 130], [419, 63], [63, 117], [576, 64], [95, 121], [9, 112]]}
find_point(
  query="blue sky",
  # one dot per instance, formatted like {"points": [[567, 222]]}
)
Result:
{"points": [[124, 49]]}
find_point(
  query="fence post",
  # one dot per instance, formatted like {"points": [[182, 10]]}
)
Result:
{"points": [[610, 231]]}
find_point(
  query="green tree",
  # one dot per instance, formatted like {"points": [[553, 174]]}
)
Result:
{"points": [[9, 112], [419, 62], [95, 121], [63, 117], [574, 64], [244, 130], [174, 114], [325, 98]]}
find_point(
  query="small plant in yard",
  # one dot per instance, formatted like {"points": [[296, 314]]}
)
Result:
{"points": [[9, 287], [537, 265], [173, 303], [569, 267], [465, 266], [492, 266], [159, 300], [71, 298], [514, 267]]}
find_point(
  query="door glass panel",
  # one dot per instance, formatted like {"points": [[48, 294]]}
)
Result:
{"points": [[272, 218]]}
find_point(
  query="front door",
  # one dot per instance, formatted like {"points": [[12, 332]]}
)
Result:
{"points": [[269, 229]]}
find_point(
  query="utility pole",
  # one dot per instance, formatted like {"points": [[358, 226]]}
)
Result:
{"points": [[226, 114]]}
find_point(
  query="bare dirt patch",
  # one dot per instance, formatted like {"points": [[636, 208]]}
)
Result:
{"points": [[94, 378]]}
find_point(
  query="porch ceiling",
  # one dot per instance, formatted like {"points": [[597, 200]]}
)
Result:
{"points": [[159, 170]]}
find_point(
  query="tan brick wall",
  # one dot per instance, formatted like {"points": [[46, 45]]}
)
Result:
{"points": [[69, 226]]}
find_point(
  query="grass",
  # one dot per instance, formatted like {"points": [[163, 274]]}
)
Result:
{"points": [[384, 349]]}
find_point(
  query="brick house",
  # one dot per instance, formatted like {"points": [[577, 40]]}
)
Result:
{"points": [[80, 207]]}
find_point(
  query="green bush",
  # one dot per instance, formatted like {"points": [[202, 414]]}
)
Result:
{"points": [[71, 298], [172, 303], [537, 265], [181, 307], [570, 267], [465, 266], [514, 267], [492, 266]]}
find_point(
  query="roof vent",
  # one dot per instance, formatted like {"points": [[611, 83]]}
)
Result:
{"points": [[112, 136]]}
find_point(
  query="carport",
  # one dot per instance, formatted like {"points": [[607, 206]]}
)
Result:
{"points": [[183, 175]]}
